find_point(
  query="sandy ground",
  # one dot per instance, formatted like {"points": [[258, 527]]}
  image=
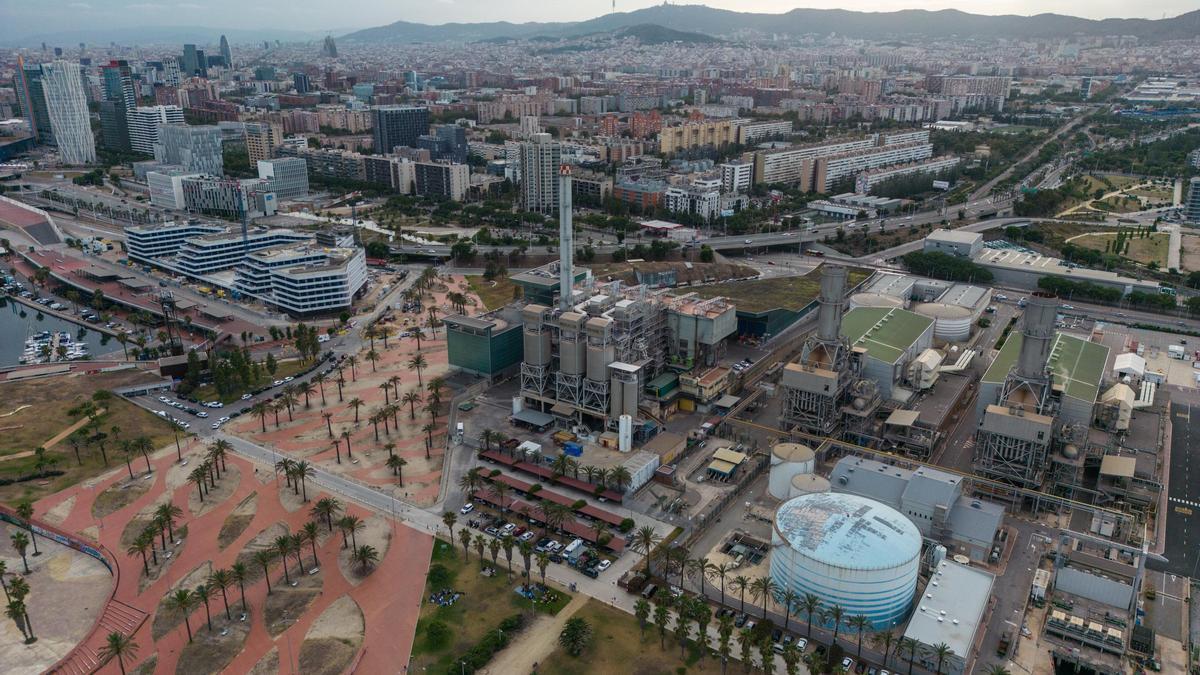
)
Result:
{"points": [[226, 485], [262, 540], [129, 491], [68, 590], [377, 533], [333, 639], [268, 664], [343, 619], [59, 513], [537, 641], [291, 501], [238, 520]]}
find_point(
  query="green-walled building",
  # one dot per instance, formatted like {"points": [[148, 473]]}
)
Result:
{"points": [[489, 346]]}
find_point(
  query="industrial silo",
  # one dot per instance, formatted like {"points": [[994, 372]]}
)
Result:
{"points": [[951, 323], [788, 460], [571, 343], [849, 551], [537, 338], [807, 484], [876, 300]]}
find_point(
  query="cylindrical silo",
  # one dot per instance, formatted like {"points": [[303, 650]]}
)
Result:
{"points": [[951, 323], [629, 398], [571, 343], [624, 433], [807, 484], [876, 300], [616, 398], [598, 358], [849, 551], [537, 340], [788, 460]]}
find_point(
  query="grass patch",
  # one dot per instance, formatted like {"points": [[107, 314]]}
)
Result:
{"points": [[618, 647], [326, 656], [49, 400], [293, 367], [788, 293], [485, 602], [293, 601], [495, 293], [238, 520], [1142, 250]]}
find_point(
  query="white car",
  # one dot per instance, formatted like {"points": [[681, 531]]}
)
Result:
{"points": [[528, 536], [201, 414], [508, 528], [216, 425], [245, 397], [222, 420], [467, 508], [276, 383], [289, 378], [604, 564], [847, 664], [164, 399]]}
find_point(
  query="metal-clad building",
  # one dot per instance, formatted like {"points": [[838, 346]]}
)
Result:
{"points": [[892, 338], [1077, 367], [484, 346]]}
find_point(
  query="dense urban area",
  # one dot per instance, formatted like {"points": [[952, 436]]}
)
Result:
{"points": [[677, 340]]}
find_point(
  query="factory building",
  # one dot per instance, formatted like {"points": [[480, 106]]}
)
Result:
{"points": [[849, 551], [1018, 268], [489, 346], [954, 242], [933, 500], [952, 612], [889, 338]]}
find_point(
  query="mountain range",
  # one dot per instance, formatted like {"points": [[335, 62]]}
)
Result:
{"points": [[725, 23]]}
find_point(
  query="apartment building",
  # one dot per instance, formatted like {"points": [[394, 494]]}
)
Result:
{"points": [[754, 132], [867, 180], [144, 124], [442, 179], [716, 133], [287, 177], [261, 140]]}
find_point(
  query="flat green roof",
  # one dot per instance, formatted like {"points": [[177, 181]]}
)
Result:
{"points": [[1076, 364], [885, 332], [756, 296]]}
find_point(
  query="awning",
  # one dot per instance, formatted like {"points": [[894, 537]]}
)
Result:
{"points": [[728, 401], [563, 410], [533, 418], [903, 418], [722, 467]]}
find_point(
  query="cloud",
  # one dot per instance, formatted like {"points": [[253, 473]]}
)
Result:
{"points": [[79, 5], [145, 6]]}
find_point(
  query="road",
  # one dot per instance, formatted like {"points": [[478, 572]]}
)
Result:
{"points": [[987, 187], [1183, 494]]}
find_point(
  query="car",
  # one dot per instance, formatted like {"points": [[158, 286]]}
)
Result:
{"points": [[246, 397], [750, 624], [749, 241], [847, 664], [160, 413], [519, 531], [289, 378], [527, 536], [467, 508], [216, 425], [801, 643], [777, 635], [604, 564], [164, 399], [590, 572], [1068, 307], [492, 531], [556, 558], [276, 383], [223, 420], [1001, 296], [201, 414], [741, 620], [508, 528], [555, 546]]}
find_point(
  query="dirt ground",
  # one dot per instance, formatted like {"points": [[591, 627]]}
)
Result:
{"points": [[68, 591], [537, 641], [333, 639], [226, 485], [268, 664], [59, 513], [238, 520], [377, 533], [287, 603], [119, 496], [166, 619], [211, 651], [1190, 255]]}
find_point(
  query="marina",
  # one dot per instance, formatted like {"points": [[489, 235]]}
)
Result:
{"points": [[44, 338]]}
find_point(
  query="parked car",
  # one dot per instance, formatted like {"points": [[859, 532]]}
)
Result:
{"points": [[604, 564], [467, 508], [847, 664]]}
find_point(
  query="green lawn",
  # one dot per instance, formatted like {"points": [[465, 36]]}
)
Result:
{"points": [[494, 294], [207, 392], [485, 602], [1150, 249]]}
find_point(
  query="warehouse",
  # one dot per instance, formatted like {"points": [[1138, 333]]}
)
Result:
{"points": [[951, 612], [892, 337], [1077, 367], [1017, 268]]}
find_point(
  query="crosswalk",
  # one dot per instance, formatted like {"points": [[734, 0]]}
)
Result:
{"points": [[1186, 502]]}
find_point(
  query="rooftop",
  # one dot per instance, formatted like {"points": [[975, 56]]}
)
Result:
{"points": [[1035, 263], [763, 295], [885, 332], [952, 607], [1076, 364], [848, 531]]}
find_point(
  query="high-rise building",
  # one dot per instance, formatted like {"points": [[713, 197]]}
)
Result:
{"points": [[195, 148], [226, 52], [302, 83], [261, 140], [329, 47], [116, 80], [32, 98], [287, 176], [442, 179], [66, 105], [144, 124], [399, 125], [541, 157], [1191, 208], [193, 62]]}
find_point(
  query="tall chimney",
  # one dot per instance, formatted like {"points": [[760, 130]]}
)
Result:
{"points": [[1038, 334], [833, 302], [566, 239]]}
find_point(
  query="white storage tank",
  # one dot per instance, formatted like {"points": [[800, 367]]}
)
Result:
{"points": [[850, 551], [951, 323], [624, 433], [808, 484], [867, 299], [788, 460], [518, 404]]}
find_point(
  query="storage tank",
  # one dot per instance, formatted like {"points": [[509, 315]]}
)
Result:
{"points": [[807, 484], [571, 343], [951, 323], [537, 340], [598, 358], [876, 300], [624, 433], [629, 398], [849, 551], [788, 460], [616, 398], [518, 404]]}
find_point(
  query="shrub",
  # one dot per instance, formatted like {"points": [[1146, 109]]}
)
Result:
{"points": [[440, 576], [437, 635], [535, 488], [626, 525], [578, 504]]}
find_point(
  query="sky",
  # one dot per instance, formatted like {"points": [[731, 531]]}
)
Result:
{"points": [[50, 16]]}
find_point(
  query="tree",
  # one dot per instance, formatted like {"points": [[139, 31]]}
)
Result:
{"points": [[860, 624], [411, 399], [167, 513], [576, 635], [480, 541], [911, 646], [140, 546], [724, 633], [25, 512], [449, 518], [283, 546], [739, 585], [810, 604], [746, 642], [365, 556], [20, 542], [641, 609], [356, 403], [119, 646], [182, 601], [397, 463], [240, 574], [763, 588], [884, 640], [835, 615], [304, 470], [720, 571], [940, 651], [264, 558], [998, 670], [221, 579], [352, 525], [644, 541], [661, 619], [311, 532], [417, 363], [464, 537], [326, 509]]}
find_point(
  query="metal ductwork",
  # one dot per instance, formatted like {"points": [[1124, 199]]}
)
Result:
{"points": [[833, 302], [1038, 335], [566, 239]]}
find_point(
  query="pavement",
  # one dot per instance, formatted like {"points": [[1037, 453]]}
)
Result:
{"points": [[1182, 549]]}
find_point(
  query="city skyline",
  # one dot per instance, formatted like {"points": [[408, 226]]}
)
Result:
{"points": [[276, 19]]}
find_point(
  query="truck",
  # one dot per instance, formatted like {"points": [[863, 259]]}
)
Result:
{"points": [[573, 549], [1005, 642], [573, 449], [1176, 352]]}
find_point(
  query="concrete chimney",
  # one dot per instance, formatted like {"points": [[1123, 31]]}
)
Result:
{"points": [[566, 239], [833, 302], [1038, 335]]}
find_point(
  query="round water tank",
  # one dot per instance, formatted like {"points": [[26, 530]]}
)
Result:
{"points": [[951, 323], [850, 551], [876, 300], [788, 460], [807, 484]]}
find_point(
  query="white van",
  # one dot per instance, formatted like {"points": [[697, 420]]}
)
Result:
{"points": [[573, 548]]}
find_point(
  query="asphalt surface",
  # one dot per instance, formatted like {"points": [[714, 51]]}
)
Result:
{"points": [[1183, 494]]}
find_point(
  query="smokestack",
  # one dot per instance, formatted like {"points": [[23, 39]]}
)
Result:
{"points": [[566, 239], [833, 303], [1038, 333]]}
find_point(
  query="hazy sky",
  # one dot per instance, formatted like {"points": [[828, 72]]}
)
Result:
{"points": [[49, 16]]}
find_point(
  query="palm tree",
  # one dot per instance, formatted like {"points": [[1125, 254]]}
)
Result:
{"points": [[304, 471], [739, 585], [411, 399], [372, 356], [860, 624], [221, 579], [480, 542], [911, 646], [720, 572], [167, 513], [834, 615], [308, 389], [240, 574], [352, 361], [998, 670], [311, 533], [397, 463], [119, 646], [319, 380], [499, 490], [788, 598], [449, 519], [325, 509], [619, 476], [204, 594], [543, 561], [182, 601], [341, 382], [365, 556], [140, 546], [346, 437], [417, 363], [698, 569], [941, 651], [810, 604], [763, 588], [20, 542], [200, 478], [264, 558], [25, 512], [390, 447], [283, 546], [284, 466], [507, 542], [351, 524], [884, 640], [644, 541], [428, 430], [356, 403]]}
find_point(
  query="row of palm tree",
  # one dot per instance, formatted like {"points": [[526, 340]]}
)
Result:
{"points": [[297, 473], [161, 525], [208, 471], [15, 592], [507, 543]]}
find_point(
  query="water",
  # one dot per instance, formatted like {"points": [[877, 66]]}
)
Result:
{"points": [[14, 329]]}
